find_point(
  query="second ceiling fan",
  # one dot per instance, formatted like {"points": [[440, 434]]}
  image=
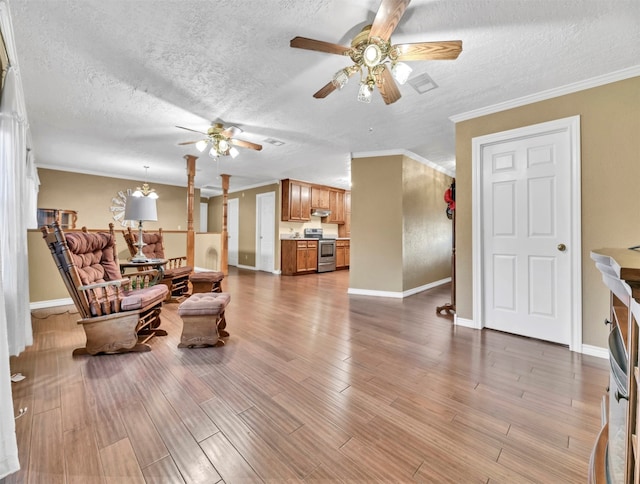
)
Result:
{"points": [[375, 58], [221, 140]]}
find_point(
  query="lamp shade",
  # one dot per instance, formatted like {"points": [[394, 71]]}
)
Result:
{"points": [[140, 208]]}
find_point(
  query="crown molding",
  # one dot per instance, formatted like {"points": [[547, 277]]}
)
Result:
{"points": [[402, 152], [615, 76]]}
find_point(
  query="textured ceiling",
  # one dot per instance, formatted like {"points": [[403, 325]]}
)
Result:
{"points": [[106, 82]]}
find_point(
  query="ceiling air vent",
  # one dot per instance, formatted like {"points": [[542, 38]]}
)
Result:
{"points": [[274, 142], [422, 83]]}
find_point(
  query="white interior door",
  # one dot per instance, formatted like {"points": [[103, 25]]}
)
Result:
{"points": [[233, 230], [204, 217], [528, 239], [265, 230]]}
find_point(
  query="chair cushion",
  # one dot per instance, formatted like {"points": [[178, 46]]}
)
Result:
{"points": [[94, 256], [141, 298], [208, 276], [204, 304], [178, 272]]}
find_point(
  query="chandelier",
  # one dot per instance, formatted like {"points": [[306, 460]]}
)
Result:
{"points": [[145, 190], [371, 57]]}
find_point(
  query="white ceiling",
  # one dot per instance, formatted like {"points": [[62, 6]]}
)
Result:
{"points": [[107, 81]]}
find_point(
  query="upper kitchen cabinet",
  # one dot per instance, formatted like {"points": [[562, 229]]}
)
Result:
{"points": [[320, 197], [296, 201], [344, 230]]}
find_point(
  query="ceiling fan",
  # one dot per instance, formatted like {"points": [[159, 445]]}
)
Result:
{"points": [[221, 140], [375, 58]]}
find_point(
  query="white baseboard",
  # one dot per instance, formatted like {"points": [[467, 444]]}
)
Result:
{"points": [[397, 295], [250, 268], [51, 303], [466, 323], [584, 349], [202, 269], [595, 351]]}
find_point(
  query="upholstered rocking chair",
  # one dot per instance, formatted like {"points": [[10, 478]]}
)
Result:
{"points": [[176, 272], [115, 317]]}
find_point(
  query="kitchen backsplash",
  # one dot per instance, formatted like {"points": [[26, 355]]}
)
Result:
{"points": [[288, 229]]}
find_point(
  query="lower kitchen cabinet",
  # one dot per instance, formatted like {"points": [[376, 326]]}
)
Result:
{"points": [[299, 257], [343, 253]]}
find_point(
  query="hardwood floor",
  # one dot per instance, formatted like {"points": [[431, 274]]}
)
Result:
{"points": [[313, 385]]}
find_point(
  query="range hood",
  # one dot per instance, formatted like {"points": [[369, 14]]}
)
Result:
{"points": [[320, 212]]}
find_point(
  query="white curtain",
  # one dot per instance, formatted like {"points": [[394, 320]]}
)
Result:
{"points": [[18, 185]]}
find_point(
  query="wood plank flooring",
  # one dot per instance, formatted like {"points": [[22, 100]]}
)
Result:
{"points": [[313, 385]]}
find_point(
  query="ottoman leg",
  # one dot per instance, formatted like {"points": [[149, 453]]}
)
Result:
{"points": [[222, 323]]}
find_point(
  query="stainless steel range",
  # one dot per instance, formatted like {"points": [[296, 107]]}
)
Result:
{"points": [[326, 250]]}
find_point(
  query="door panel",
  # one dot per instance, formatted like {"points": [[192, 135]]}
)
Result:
{"points": [[266, 231], [233, 230], [526, 208]]}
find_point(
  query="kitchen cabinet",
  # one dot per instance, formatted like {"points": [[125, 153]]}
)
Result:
{"points": [[343, 253], [319, 197], [296, 201], [344, 230], [336, 205], [299, 257], [614, 457]]}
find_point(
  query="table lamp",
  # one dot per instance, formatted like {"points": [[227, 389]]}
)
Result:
{"points": [[140, 209]]}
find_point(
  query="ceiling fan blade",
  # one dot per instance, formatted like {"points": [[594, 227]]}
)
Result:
{"points": [[325, 90], [330, 86], [389, 14], [246, 144], [189, 142], [446, 50], [231, 131], [388, 87], [318, 45], [189, 129]]}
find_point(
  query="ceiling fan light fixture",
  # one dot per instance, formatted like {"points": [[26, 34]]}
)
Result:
{"points": [[233, 152], [401, 72], [223, 146], [364, 93], [202, 145], [340, 79], [213, 153], [372, 55]]}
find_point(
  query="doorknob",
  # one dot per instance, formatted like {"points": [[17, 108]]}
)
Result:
{"points": [[562, 247]]}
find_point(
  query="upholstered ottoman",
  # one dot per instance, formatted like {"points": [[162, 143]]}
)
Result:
{"points": [[209, 281], [203, 320]]}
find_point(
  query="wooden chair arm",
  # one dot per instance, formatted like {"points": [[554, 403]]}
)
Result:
{"points": [[116, 283]]}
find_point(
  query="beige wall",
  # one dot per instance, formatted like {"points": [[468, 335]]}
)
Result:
{"points": [[400, 235], [427, 231], [610, 146], [91, 196], [247, 221]]}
